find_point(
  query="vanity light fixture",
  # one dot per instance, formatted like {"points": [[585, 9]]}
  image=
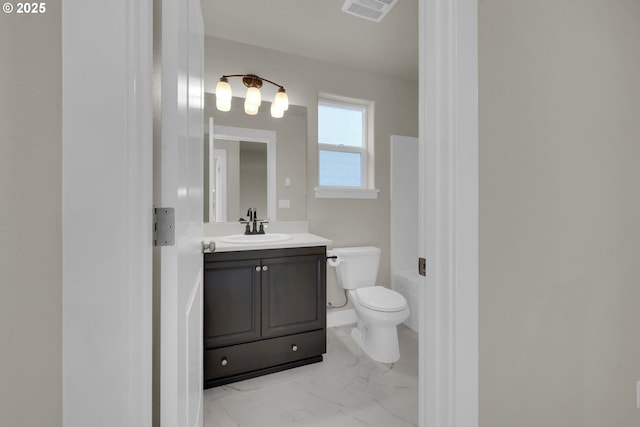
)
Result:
{"points": [[253, 98]]}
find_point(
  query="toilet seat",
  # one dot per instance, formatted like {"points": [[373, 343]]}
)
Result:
{"points": [[379, 298]]}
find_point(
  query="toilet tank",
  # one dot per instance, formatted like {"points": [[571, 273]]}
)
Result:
{"points": [[357, 266]]}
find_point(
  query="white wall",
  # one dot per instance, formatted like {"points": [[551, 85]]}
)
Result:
{"points": [[559, 212], [345, 221], [404, 203], [30, 218]]}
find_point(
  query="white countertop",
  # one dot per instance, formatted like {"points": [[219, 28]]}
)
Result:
{"points": [[298, 240]]}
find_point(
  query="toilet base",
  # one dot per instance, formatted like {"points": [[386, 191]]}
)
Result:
{"points": [[379, 343]]}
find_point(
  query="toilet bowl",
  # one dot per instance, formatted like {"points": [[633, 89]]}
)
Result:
{"points": [[379, 310]]}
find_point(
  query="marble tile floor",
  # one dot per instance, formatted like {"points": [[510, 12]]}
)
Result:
{"points": [[346, 389]]}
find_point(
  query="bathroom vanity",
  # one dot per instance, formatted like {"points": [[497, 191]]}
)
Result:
{"points": [[264, 308]]}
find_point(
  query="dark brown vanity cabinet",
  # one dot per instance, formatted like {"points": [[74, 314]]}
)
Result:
{"points": [[264, 311]]}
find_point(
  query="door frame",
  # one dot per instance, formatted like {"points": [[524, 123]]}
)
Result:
{"points": [[448, 232], [107, 186], [217, 184]]}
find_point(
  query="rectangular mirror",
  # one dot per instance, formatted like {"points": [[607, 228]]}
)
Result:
{"points": [[254, 162], [241, 172]]}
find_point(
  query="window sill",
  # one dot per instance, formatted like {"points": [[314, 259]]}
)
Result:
{"points": [[346, 193]]}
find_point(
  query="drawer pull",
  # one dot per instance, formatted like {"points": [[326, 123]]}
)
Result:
{"points": [[224, 362], [294, 347]]}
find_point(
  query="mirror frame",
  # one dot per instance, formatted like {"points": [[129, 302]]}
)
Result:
{"points": [[268, 137]]}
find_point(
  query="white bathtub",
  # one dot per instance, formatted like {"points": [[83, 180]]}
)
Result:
{"points": [[407, 282]]}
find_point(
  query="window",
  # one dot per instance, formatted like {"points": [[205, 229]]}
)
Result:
{"points": [[345, 149]]}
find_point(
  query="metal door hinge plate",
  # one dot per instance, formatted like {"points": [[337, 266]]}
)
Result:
{"points": [[422, 266], [164, 224]]}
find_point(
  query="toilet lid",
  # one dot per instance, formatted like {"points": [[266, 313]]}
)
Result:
{"points": [[380, 298]]}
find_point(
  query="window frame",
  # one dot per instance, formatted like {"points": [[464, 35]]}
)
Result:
{"points": [[366, 190]]}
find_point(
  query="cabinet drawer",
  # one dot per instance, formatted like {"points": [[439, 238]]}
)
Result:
{"points": [[242, 358]]}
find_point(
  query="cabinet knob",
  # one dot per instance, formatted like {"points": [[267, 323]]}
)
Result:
{"points": [[294, 348], [257, 268], [265, 268], [224, 362]]}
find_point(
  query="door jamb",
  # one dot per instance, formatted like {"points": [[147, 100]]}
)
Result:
{"points": [[448, 129]]}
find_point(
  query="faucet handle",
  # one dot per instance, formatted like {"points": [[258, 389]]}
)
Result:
{"points": [[247, 229]]}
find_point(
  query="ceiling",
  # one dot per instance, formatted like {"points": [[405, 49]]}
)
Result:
{"points": [[319, 29]]}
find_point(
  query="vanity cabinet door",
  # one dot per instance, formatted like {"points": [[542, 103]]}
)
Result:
{"points": [[293, 294], [231, 302]]}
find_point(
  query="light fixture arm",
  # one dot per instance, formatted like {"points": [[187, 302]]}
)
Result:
{"points": [[252, 80]]}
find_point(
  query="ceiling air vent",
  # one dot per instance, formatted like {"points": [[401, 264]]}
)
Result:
{"points": [[373, 10]]}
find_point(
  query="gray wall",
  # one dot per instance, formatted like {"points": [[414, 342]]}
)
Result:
{"points": [[559, 212], [30, 219], [253, 178], [345, 221]]}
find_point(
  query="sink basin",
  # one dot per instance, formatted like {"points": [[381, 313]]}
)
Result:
{"points": [[249, 239]]}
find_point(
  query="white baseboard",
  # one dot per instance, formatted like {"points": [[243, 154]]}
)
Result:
{"points": [[341, 317]]}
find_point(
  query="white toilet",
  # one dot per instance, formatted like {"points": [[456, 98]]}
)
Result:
{"points": [[379, 310]]}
